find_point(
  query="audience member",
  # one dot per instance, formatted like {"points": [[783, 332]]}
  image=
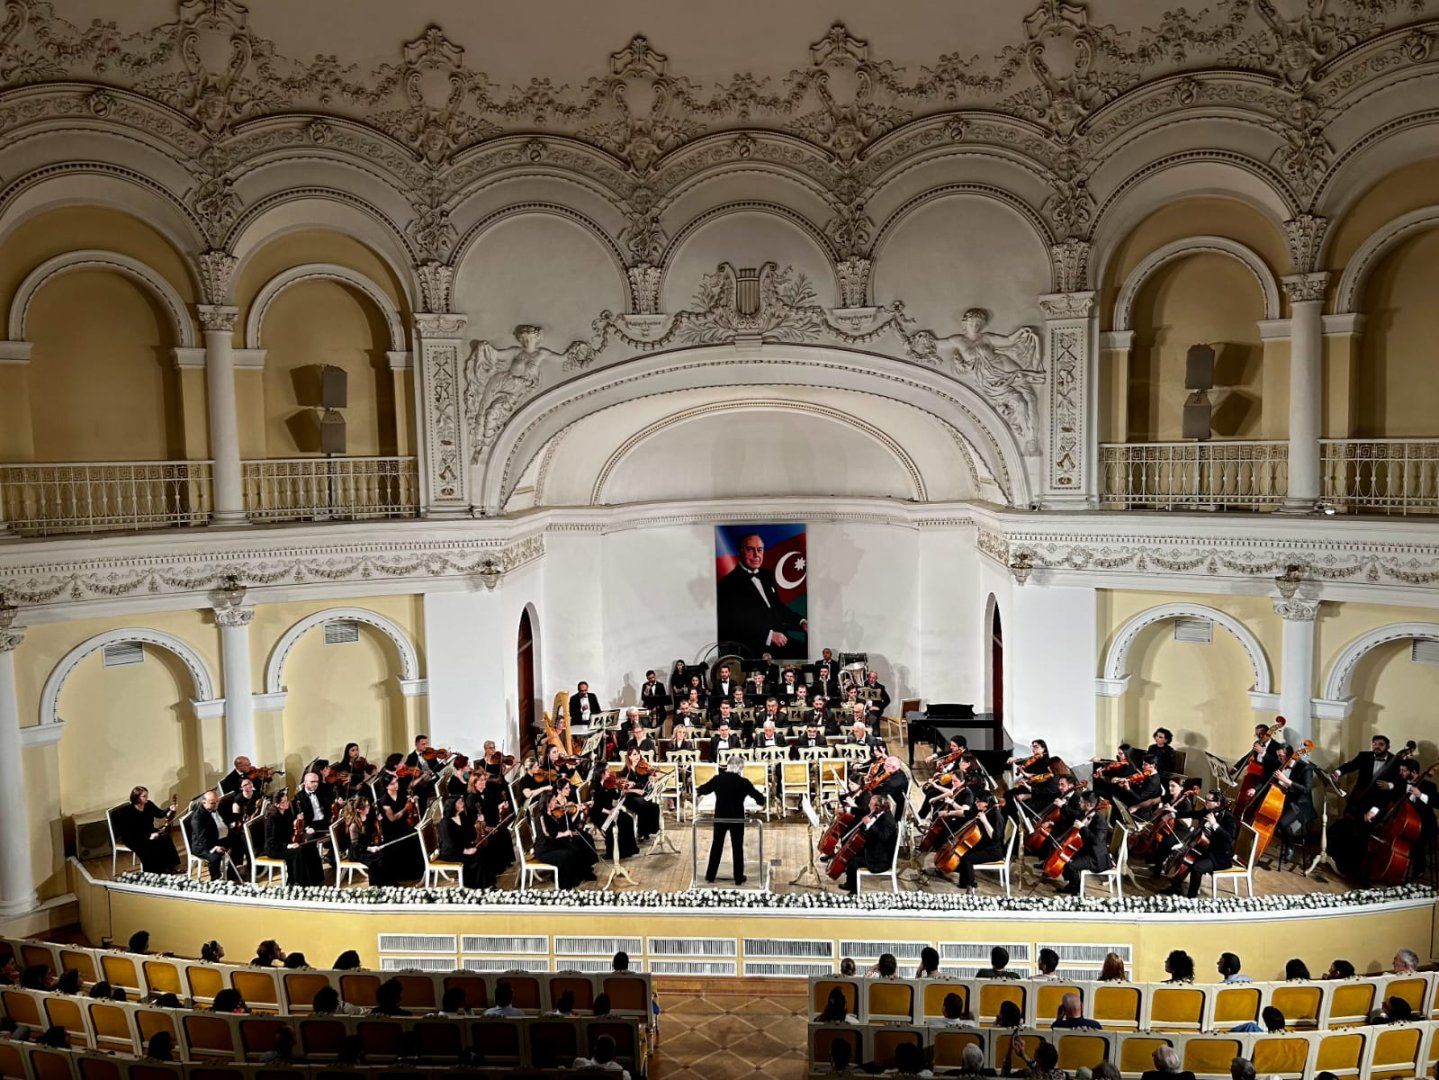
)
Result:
{"points": [[1270, 1021], [846, 967], [1341, 969], [601, 1006], [349, 960], [504, 1001], [1229, 969], [603, 1057], [886, 967], [1071, 1014], [1113, 969], [621, 961], [909, 1060], [139, 942], [1048, 964], [295, 961], [388, 995], [841, 1054], [953, 1014], [268, 953], [100, 990], [836, 1009], [1241, 1069], [1296, 970], [1180, 967], [68, 982], [928, 963], [326, 1001], [454, 1002], [971, 1063], [211, 952], [1406, 962], [283, 1049], [54, 1037], [565, 1004], [1010, 1015], [1166, 1066], [228, 1000], [998, 965]]}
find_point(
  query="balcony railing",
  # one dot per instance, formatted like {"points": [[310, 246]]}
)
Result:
{"points": [[329, 489], [1240, 474], [1387, 476], [103, 496]]}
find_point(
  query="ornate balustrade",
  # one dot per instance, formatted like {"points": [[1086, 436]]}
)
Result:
{"points": [[45, 499], [1238, 474], [1387, 476], [328, 489]]}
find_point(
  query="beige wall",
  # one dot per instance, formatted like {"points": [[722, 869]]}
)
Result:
{"points": [[1397, 393], [1409, 188]]}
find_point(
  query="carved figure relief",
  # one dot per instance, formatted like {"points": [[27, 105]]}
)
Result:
{"points": [[1005, 368], [497, 381]]}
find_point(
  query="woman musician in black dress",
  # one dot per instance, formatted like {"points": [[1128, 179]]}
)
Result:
{"points": [[399, 814], [459, 844], [1033, 780], [144, 829], [488, 800], [635, 780], [303, 865], [562, 842], [360, 839]]}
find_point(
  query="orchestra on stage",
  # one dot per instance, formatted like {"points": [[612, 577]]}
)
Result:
{"points": [[746, 732]]}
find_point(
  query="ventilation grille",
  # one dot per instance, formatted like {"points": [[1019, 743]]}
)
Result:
{"points": [[342, 632], [597, 946], [1424, 651], [417, 943], [416, 963], [978, 951], [780, 969], [673, 946], [693, 967], [1194, 631], [1088, 954], [591, 965], [871, 950], [788, 947], [122, 653], [505, 963], [479, 943]]}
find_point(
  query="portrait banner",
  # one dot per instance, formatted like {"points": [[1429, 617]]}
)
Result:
{"points": [[761, 596]]}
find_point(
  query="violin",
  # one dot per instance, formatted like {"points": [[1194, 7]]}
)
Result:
{"points": [[298, 836], [412, 812], [1145, 772], [484, 832], [432, 753], [504, 761], [878, 773], [335, 774], [408, 772], [261, 774]]}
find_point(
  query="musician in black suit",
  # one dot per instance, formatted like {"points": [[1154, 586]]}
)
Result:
{"points": [[788, 689], [750, 611], [811, 739], [1216, 820], [826, 684], [724, 739], [730, 788], [655, 698], [1162, 748], [1424, 797], [1266, 750], [768, 737], [583, 705], [1295, 777], [230, 783], [311, 806], [213, 840], [859, 736], [1094, 830], [756, 689], [881, 834], [881, 703], [1366, 767], [724, 685]]}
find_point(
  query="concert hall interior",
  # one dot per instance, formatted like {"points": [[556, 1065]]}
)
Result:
{"points": [[421, 425]]}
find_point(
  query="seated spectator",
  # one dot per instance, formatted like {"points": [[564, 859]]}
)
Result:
{"points": [[909, 1060], [565, 1006], [886, 967], [168, 1001], [1180, 967], [1105, 1071], [117, 993], [268, 954], [211, 952], [836, 1010], [68, 982], [1241, 1069], [1229, 969], [1406, 962], [1010, 1015], [161, 1047], [1113, 969], [387, 999], [953, 1012], [1395, 1010], [998, 965], [139, 942], [1048, 965], [1071, 1014], [283, 1049], [100, 991], [349, 960], [1166, 1066], [54, 1037], [1296, 970], [504, 1001], [928, 963], [229, 1000], [36, 977], [350, 1051], [296, 960], [1341, 969], [841, 1055], [604, 1057], [971, 1063], [601, 1006], [1271, 1021], [621, 961], [9, 973], [1045, 1063], [326, 1001], [454, 1002], [846, 967]]}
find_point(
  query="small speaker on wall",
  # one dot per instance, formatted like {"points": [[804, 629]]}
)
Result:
{"points": [[1198, 368], [332, 432], [1198, 416], [334, 387]]}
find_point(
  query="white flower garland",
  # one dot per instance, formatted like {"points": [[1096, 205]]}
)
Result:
{"points": [[740, 900]]}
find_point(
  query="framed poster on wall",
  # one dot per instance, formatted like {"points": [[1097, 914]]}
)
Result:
{"points": [[762, 598]]}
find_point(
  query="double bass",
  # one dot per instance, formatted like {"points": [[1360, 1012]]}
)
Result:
{"points": [[1069, 845], [1251, 776], [1267, 805], [1391, 845]]}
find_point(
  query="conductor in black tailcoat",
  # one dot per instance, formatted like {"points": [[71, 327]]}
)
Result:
{"points": [[750, 610], [731, 788]]}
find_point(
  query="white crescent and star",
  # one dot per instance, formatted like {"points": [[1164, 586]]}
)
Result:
{"points": [[789, 583]]}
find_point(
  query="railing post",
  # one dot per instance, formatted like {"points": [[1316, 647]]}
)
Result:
{"points": [[1306, 377]]}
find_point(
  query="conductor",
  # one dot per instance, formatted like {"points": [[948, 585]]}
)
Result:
{"points": [[750, 611], [730, 789]]}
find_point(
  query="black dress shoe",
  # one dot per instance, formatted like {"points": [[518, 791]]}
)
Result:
{"points": [[740, 880], [709, 879]]}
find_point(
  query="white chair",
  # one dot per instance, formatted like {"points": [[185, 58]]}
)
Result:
{"points": [[115, 846], [194, 865], [892, 873], [1243, 873], [437, 869], [345, 869], [257, 860], [524, 853], [1002, 866], [1119, 861]]}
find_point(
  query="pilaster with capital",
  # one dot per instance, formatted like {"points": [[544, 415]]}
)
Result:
{"points": [[234, 624], [1296, 677], [1070, 472], [1306, 381], [17, 875], [444, 443]]}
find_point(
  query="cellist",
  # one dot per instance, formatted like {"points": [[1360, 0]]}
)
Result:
{"points": [[1265, 751], [986, 812], [1094, 830], [1424, 796], [1218, 822], [881, 835]]}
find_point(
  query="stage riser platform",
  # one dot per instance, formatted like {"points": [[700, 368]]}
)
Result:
{"points": [[742, 942]]}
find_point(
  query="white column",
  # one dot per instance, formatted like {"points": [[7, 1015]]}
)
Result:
{"points": [[17, 876], [228, 483], [1296, 687], [1306, 383], [234, 624]]}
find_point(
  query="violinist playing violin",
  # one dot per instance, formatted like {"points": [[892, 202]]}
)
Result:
{"points": [[230, 782], [427, 763], [881, 833], [1295, 776], [617, 825], [1214, 821], [361, 771], [562, 842], [1421, 793], [303, 865], [459, 844], [1033, 779], [1094, 830], [398, 815], [635, 780]]}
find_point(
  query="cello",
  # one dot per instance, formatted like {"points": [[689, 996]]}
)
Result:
{"points": [[1267, 805], [961, 842], [1069, 845], [1251, 775], [1042, 834], [848, 851], [843, 821], [1391, 845]]}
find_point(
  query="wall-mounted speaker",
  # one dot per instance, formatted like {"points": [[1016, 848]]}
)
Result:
{"points": [[1198, 368], [1198, 415], [332, 432], [334, 387]]}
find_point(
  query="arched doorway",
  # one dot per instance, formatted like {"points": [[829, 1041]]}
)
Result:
{"points": [[996, 667], [525, 689]]}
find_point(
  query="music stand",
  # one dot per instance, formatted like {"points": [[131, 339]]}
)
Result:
{"points": [[617, 869], [812, 823], [1324, 857]]}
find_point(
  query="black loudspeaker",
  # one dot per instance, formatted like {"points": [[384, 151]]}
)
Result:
{"points": [[332, 432], [334, 387], [1198, 368], [1198, 414]]}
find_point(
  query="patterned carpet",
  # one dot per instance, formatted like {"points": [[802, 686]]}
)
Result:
{"points": [[711, 1036]]}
